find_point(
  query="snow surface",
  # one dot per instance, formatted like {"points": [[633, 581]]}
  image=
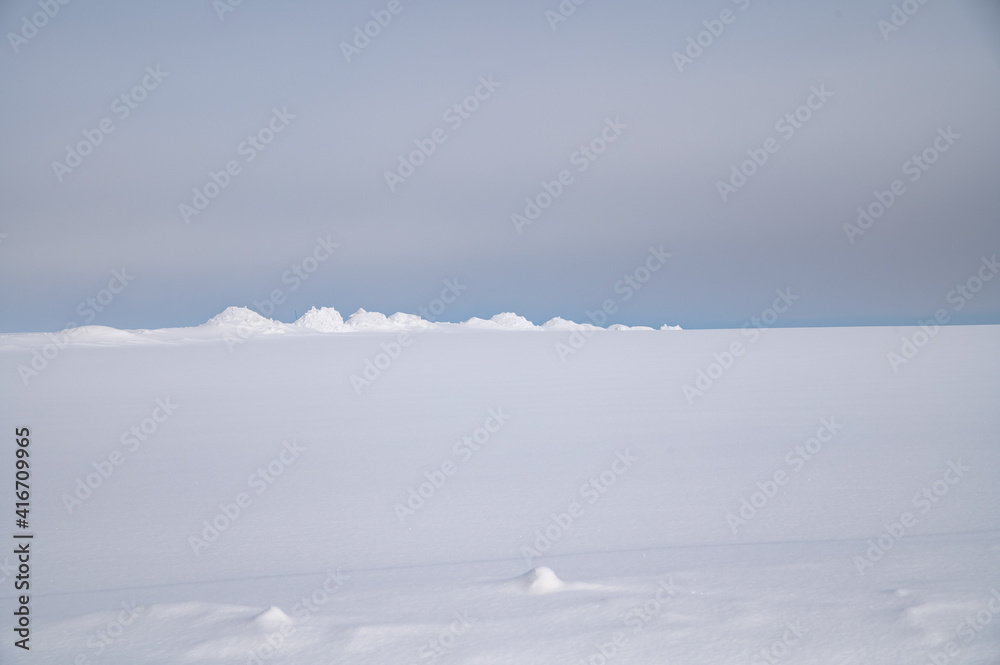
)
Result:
{"points": [[558, 323], [241, 317], [488, 499], [323, 319]]}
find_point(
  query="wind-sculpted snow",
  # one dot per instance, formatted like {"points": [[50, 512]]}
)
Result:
{"points": [[504, 321], [323, 319], [242, 323], [242, 316]]}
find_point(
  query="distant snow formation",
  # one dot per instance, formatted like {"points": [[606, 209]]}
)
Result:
{"points": [[240, 323]]}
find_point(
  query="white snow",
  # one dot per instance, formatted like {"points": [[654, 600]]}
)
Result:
{"points": [[619, 326], [323, 319], [485, 500], [541, 580], [410, 322], [99, 335], [244, 318], [242, 323], [559, 323], [362, 320], [503, 321], [272, 619]]}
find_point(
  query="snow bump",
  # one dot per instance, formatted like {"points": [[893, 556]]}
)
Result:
{"points": [[245, 319], [541, 580], [272, 618], [322, 319]]}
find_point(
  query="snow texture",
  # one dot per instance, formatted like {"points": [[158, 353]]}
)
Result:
{"points": [[222, 494]]}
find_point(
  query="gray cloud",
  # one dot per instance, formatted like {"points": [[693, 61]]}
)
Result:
{"points": [[325, 173]]}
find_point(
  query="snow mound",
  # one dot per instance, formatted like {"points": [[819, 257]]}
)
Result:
{"points": [[362, 320], [328, 319], [98, 335], [272, 618], [410, 322], [245, 323], [513, 321], [476, 322], [619, 326], [541, 580], [245, 319], [323, 319], [559, 323], [502, 321]]}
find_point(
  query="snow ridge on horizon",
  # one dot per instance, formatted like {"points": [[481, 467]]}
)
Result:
{"points": [[244, 322], [328, 319]]}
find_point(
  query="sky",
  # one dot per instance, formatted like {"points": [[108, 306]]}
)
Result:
{"points": [[672, 163]]}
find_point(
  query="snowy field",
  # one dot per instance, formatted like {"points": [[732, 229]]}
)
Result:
{"points": [[391, 491]]}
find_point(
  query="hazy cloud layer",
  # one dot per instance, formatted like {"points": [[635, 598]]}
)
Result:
{"points": [[309, 117]]}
